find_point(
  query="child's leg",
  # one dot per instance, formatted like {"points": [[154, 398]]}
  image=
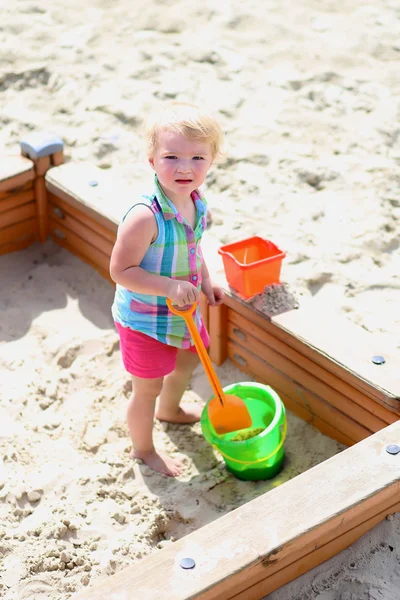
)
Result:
{"points": [[175, 384], [140, 416]]}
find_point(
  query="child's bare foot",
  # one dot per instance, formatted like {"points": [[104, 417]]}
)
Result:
{"points": [[160, 462], [186, 413]]}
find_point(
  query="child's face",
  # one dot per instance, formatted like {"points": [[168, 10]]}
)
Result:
{"points": [[181, 164]]}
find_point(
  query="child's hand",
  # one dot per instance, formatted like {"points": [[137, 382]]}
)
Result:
{"points": [[214, 293], [182, 293]]}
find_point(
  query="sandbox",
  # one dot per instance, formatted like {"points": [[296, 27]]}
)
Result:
{"points": [[325, 371]]}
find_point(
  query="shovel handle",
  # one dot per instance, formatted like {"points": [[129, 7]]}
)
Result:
{"points": [[187, 315]]}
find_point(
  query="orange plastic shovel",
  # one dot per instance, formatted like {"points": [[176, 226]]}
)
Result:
{"points": [[225, 411]]}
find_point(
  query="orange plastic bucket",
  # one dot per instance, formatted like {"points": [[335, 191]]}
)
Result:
{"points": [[251, 264]]}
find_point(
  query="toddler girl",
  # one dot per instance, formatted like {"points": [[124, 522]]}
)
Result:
{"points": [[157, 255]]}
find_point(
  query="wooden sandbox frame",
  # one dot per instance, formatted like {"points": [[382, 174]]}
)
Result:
{"points": [[320, 366]]}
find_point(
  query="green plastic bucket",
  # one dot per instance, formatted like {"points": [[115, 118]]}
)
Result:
{"points": [[258, 457]]}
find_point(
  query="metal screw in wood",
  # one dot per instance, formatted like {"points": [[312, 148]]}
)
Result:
{"points": [[393, 449], [187, 563], [378, 359]]}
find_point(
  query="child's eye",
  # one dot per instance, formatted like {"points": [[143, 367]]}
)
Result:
{"points": [[171, 157], [198, 158]]}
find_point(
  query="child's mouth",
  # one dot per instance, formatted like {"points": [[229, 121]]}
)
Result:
{"points": [[183, 180]]}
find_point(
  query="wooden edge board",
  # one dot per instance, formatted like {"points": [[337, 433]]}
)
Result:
{"points": [[96, 256], [243, 328], [91, 190], [87, 234], [20, 213], [320, 554], [15, 199], [77, 204], [17, 231], [358, 353], [375, 389], [22, 188], [323, 426], [58, 207], [281, 382], [309, 380], [238, 550], [15, 171], [302, 548]]}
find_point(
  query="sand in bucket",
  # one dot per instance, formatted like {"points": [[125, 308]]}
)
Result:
{"points": [[257, 452]]}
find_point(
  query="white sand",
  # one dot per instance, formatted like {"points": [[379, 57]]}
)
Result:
{"points": [[308, 95]]}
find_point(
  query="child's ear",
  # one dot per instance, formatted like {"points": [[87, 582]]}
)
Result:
{"points": [[151, 161]]}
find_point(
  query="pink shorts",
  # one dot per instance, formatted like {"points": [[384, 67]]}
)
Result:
{"points": [[145, 357]]}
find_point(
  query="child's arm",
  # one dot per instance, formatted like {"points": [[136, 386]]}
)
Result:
{"points": [[136, 234], [214, 292]]}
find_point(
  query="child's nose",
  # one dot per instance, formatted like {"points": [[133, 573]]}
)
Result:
{"points": [[184, 166]]}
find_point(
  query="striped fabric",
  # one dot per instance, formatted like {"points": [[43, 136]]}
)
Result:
{"points": [[176, 253]]}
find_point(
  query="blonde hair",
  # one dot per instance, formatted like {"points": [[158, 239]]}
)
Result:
{"points": [[186, 119]]}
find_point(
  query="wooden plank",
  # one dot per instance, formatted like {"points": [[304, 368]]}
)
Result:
{"points": [[280, 381], [21, 213], [326, 428], [64, 237], [20, 230], [320, 554], [343, 496], [217, 319], [15, 171], [354, 357], [17, 199], [57, 205], [245, 327], [306, 379], [386, 397], [11, 193], [105, 202], [84, 232], [18, 245], [354, 522], [314, 550]]}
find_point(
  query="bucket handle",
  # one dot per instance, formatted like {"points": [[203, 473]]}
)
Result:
{"points": [[264, 458]]}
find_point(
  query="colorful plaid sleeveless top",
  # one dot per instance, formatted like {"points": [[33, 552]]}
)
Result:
{"points": [[176, 253]]}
